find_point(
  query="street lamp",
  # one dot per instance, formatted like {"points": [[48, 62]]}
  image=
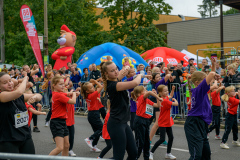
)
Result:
{"points": [[181, 16]]}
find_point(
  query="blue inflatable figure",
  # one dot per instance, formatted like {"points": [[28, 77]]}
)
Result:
{"points": [[117, 53]]}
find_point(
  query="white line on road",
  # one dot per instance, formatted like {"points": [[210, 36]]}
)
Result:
{"points": [[177, 149]]}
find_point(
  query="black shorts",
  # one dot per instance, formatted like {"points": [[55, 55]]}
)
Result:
{"points": [[156, 109], [58, 127]]}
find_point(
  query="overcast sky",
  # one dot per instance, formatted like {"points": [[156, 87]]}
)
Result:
{"points": [[188, 7]]}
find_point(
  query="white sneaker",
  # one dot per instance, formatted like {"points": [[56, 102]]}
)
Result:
{"points": [[224, 146], [151, 156], [169, 156], [95, 149], [236, 143], [102, 139], [72, 154], [99, 158], [47, 124], [218, 137], [208, 136], [89, 142]]}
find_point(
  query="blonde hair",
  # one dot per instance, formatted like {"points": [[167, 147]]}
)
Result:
{"points": [[55, 80], [103, 71], [108, 104], [225, 72], [225, 97], [137, 92], [231, 66], [84, 88], [196, 76], [154, 69], [160, 89], [45, 85]]}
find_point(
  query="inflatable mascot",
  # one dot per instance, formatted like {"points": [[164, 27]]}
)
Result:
{"points": [[63, 55]]}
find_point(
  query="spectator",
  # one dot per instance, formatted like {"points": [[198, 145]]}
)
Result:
{"points": [[12, 73], [90, 68], [180, 66], [84, 78], [95, 74], [204, 63], [156, 70], [190, 63], [146, 80], [148, 68], [236, 60], [223, 74], [218, 68], [75, 76], [63, 69], [68, 71], [192, 69], [13, 67], [39, 73]]}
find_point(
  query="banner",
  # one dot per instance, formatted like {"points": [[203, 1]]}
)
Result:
{"points": [[30, 27]]}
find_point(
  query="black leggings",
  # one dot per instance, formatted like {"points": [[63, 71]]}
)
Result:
{"points": [[103, 112], [133, 115], [215, 120], [26, 147], [49, 113], [71, 130], [96, 124], [163, 131], [230, 124], [34, 116], [122, 139], [107, 148], [196, 133]]}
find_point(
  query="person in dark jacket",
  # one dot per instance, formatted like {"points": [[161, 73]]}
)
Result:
{"points": [[84, 78], [95, 74]]}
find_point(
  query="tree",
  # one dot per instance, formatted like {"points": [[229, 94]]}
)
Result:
{"points": [[230, 11], [135, 31], [208, 53], [79, 16], [207, 9]]}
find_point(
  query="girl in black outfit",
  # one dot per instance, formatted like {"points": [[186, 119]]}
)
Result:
{"points": [[119, 131], [15, 137]]}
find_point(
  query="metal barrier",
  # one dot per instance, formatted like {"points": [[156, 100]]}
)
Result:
{"points": [[11, 156]]}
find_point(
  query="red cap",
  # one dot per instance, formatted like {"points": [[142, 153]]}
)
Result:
{"points": [[65, 28]]}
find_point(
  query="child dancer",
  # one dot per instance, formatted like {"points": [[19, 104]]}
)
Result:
{"points": [[88, 92], [231, 117], [105, 133], [141, 123], [200, 115], [118, 129], [31, 109], [216, 109], [165, 120], [59, 114]]}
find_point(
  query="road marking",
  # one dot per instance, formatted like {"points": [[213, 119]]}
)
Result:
{"points": [[176, 149]]}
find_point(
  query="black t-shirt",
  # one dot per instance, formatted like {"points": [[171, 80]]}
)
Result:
{"points": [[95, 74], [8, 132], [120, 110]]}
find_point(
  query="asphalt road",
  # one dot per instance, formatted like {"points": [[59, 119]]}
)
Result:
{"points": [[44, 144]]}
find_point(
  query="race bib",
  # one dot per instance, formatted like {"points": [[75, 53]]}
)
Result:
{"points": [[21, 119], [149, 110]]}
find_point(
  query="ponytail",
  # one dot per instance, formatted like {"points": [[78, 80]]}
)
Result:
{"points": [[84, 88], [103, 71], [225, 97], [134, 97]]}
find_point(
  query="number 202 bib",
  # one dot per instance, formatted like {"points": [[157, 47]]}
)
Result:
{"points": [[149, 110], [21, 119]]}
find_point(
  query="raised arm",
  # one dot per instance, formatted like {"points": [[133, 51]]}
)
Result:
{"points": [[172, 92], [121, 86], [9, 96], [73, 99], [33, 72], [123, 72], [175, 102], [158, 104], [220, 88], [31, 98], [151, 93]]}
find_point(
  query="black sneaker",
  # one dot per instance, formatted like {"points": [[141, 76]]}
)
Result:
{"points": [[35, 129]]}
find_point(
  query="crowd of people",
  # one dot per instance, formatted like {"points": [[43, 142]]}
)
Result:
{"points": [[114, 98]]}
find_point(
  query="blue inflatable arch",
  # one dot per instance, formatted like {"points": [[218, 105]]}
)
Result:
{"points": [[117, 52]]}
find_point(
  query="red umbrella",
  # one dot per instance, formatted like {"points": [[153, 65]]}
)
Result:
{"points": [[167, 55]]}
